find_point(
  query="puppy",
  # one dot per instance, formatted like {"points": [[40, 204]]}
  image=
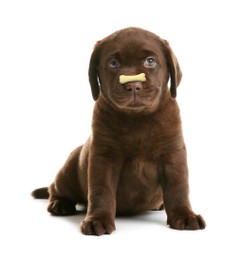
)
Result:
{"points": [[135, 159]]}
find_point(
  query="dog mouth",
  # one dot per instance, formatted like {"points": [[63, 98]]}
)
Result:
{"points": [[134, 103], [135, 98]]}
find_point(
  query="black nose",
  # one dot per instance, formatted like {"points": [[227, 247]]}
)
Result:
{"points": [[133, 86]]}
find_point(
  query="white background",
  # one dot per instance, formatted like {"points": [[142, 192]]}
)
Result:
{"points": [[46, 108]]}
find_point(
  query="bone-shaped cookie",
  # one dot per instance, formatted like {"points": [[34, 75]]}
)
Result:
{"points": [[125, 79]]}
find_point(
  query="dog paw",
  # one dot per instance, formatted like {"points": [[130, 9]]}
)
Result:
{"points": [[61, 207], [97, 226], [187, 222]]}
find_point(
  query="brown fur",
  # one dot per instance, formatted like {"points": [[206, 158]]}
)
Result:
{"points": [[135, 159]]}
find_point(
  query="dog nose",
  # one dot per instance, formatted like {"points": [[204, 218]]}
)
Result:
{"points": [[133, 86]]}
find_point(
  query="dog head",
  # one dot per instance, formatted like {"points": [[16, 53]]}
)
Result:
{"points": [[130, 52]]}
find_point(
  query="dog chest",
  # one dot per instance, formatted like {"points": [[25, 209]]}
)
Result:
{"points": [[139, 187]]}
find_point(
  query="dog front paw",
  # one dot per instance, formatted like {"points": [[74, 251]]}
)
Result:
{"points": [[189, 221], [97, 226]]}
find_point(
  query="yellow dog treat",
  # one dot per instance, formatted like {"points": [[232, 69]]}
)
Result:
{"points": [[125, 79]]}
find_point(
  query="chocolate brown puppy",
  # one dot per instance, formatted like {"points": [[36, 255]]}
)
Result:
{"points": [[135, 159]]}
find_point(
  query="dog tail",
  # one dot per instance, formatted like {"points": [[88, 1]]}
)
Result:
{"points": [[41, 193]]}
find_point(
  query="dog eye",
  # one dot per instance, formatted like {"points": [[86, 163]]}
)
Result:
{"points": [[150, 62], [113, 64]]}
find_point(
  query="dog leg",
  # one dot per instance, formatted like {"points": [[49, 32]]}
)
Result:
{"points": [[102, 185], [101, 211], [176, 197], [65, 191], [61, 206]]}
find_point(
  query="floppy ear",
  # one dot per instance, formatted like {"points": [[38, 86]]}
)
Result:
{"points": [[93, 71], [174, 68]]}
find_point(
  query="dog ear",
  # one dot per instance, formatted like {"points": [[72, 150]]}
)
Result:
{"points": [[174, 68], [93, 71]]}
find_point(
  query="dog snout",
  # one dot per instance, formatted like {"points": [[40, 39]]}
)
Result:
{"points": [[133, 86]]}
